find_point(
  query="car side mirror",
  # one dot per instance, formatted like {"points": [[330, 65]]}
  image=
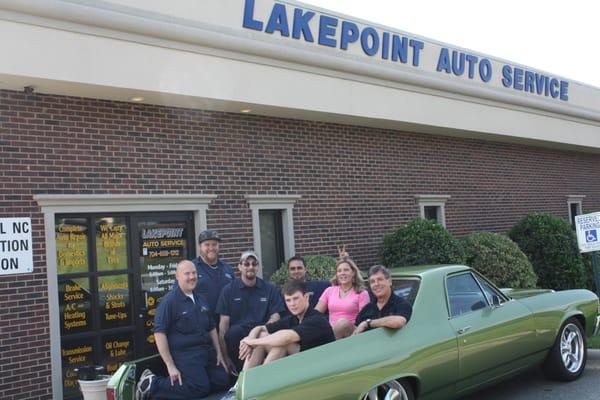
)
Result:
{"points": [[496, 302]]}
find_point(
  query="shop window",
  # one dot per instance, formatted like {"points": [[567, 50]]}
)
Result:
{"points": [[109, 261], [433, 207], [273, 230], [271, 241], [109, 283], [574, 203]]}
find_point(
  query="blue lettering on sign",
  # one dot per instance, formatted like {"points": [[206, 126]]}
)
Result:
{"points": [[301, 21], [342, 34], [535, 83]]}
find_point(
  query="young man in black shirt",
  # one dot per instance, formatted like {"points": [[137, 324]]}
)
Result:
{"points": [[304, 329], [385, 309]]}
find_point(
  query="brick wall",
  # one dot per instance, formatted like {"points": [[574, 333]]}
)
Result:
{"points": [[356, 185]]}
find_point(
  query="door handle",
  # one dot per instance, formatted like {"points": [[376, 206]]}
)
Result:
{"points": [[463, 330]]}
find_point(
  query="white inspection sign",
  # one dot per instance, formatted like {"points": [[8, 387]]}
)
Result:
{"points": [[588, 232], [16, 247]]}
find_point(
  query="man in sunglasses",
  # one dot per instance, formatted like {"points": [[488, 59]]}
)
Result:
{"points": [[245, 303]]}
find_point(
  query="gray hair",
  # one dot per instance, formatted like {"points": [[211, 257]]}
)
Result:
{"points": [[379, 268]]}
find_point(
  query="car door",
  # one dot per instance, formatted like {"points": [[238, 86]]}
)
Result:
{"points": [[495, 334]]}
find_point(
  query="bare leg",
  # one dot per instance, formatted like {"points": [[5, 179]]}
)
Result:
{"points": [[258, 355], [279, 352], [343, 328]]}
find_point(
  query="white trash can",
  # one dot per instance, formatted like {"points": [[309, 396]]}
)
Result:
{"points": [[96, 389]]}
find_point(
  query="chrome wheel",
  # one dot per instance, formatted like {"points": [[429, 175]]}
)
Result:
{"points": [[572, 347], [392, 390]]}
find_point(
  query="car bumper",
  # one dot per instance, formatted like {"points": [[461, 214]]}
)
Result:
{"points": [[597, 327]]}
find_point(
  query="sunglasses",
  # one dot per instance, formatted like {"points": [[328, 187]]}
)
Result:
{"points": [[248, 264]]}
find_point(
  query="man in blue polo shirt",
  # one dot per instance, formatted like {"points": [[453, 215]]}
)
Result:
{"points": [[385, 309], [188, 344], [297, 270], [246, 302], [213, 273]]}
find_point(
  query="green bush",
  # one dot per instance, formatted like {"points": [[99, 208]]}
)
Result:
{"points": [[550, 244], [317, 268], [499, 259], [420, 242], [590, 280]]}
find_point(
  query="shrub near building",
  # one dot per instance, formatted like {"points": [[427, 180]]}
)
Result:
{"points": [[421, 242], [499, 259], [317, 268], [551, 245]]}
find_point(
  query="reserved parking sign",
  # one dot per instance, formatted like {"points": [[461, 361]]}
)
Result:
{"points": [[588, 232]]}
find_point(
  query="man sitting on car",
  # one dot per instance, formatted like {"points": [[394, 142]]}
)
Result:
{"points": [[385, 309], [304, 329], [186, 338]]}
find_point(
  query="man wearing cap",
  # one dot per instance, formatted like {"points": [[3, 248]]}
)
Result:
{"points": [[186, 338], [246, 302], [385, 309], [297, 270], [213, 273]]}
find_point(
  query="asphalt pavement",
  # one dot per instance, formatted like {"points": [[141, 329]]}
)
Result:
{"points": [[532, 385]]}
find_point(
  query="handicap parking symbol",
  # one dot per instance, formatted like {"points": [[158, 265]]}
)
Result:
{"points": [[591, 236]]}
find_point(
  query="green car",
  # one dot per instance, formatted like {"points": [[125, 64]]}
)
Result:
{"points": [[464, 334]]}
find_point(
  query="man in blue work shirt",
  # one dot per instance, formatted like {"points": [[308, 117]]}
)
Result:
{"points": [[213, 273], [297, 270], [188, 344], [246, 302]]}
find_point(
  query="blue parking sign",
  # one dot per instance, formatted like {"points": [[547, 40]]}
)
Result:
{"points": [[591, 236]]}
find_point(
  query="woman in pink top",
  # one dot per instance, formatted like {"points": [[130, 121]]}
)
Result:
{"points": [[344, 299]]}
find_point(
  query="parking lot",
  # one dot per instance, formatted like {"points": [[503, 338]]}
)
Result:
{"points": [[532, 385]]}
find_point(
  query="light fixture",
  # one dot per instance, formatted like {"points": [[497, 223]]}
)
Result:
{"points": [[245, 110], [137, 99]]}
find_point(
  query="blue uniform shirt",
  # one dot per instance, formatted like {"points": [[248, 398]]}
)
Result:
{"points": [[212, 279], [186, 323], [249, 305]]}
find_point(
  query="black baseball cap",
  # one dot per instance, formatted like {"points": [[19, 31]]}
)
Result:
{"points": [[208, 235]]}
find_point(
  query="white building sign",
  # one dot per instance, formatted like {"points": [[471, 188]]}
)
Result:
{"points": [[16, 247], [588, 232]]}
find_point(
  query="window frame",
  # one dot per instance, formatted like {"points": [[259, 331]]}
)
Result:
{"points": [[574, 199], [433, 200], [448, 305], [285, 203]]}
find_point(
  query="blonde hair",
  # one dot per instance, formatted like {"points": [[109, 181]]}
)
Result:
{"points": [[357, 281]]}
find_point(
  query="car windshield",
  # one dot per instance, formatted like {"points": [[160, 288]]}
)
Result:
{"points": [[406, 287]]}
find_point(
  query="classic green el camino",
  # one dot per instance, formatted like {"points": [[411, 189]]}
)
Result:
{"points": [[464, 334]]}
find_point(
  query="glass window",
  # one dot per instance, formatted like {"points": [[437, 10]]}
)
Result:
{"points": [[433, 207], [111, 243], [464, 294], [407, 288], [113, 300], [271, 241], [72, 245], [75, 354], [432, 212], [75, 302], [115, 350], [493, 296]]}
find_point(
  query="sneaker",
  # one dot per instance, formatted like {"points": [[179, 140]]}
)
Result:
{"points": [[142, 391]]}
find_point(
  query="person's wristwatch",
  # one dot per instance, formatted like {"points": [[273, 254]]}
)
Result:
{"points": [[369, 323]]}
